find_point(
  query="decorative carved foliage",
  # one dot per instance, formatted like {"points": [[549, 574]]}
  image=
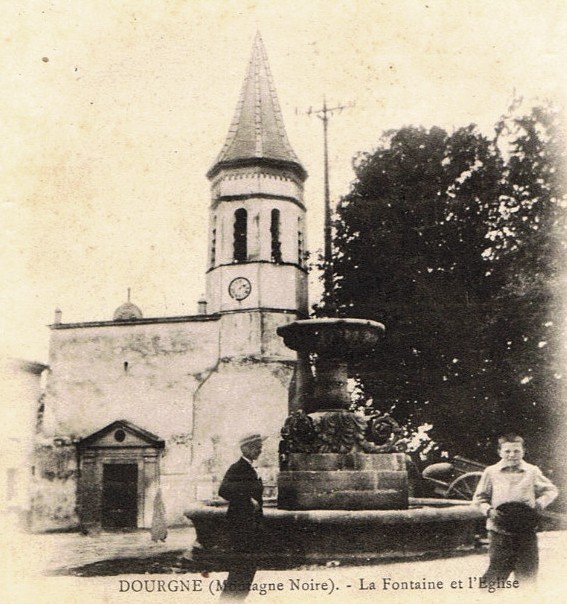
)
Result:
{"points": [[382, 429], [298, 434], [339, 432]]}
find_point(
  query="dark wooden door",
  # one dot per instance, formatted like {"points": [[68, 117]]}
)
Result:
{"points": [[119, 495]]}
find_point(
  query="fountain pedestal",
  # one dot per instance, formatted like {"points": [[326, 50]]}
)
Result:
{"points": [[329, 460], [343, 481]]}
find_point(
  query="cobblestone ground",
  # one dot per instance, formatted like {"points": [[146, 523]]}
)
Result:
{"points": [[64, 551], [31, 555]]}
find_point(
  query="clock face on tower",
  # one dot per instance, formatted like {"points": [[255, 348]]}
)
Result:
{"points": [[239, 288]]}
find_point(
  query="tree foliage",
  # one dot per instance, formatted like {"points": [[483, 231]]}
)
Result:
{"points": [[455, 242]]}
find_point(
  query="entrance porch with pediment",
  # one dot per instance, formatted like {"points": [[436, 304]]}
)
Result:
{"points": [[119, 470]]}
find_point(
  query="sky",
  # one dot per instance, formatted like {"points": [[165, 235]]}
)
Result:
{"points": [[113, 111]]}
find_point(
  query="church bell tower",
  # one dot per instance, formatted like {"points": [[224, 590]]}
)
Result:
{"points": [[256, 262]]}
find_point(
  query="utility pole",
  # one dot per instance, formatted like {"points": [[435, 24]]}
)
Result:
{"points": [[324, 114]]}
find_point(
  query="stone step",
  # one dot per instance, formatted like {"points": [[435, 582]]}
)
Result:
{"points": [[346, 461], [331, 481], [345, 500]]}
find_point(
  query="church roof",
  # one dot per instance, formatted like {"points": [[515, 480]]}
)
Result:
{"points": [[257, 133]]}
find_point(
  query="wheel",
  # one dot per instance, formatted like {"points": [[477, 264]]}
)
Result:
{"points": [[464, 486]]}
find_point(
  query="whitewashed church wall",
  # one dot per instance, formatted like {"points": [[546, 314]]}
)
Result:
{"points": [[238, 397], [273, 345], [282, 287], [214, 281], [302, 297], [144, 373], [254, 334], [273, 286], [178, 492]]}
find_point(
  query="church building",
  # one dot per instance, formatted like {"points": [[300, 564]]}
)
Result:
{"points": [[136, 403]]}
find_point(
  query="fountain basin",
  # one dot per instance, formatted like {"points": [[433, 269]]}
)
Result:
{"points": [[295, 537], [337, 338]]}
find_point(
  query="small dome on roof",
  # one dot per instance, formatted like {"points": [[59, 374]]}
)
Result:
{"points": [[127, 312]]}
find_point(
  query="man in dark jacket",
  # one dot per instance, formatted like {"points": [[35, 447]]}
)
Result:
{"points": [[242, 488]]}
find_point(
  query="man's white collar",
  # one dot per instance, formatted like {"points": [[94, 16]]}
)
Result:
{"points": [[248, 460]]}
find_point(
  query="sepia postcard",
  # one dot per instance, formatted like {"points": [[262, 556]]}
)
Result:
{"points": [[205, 214]]}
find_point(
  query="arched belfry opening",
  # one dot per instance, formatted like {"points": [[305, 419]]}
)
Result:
{"points": [[275, 236], [240, 235]]}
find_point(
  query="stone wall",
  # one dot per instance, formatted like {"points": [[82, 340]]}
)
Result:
{"points": [[144, 372], [253, 334], [20, 392], [249, 395], [53, 488], [183, 381]]}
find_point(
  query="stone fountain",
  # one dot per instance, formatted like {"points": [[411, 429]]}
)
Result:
{"points": [[342, 485], [332, 458]]}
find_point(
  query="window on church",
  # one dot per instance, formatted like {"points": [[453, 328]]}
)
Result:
{"points": [[240, 235], [300, 244], [214, 242], [275, 232]]}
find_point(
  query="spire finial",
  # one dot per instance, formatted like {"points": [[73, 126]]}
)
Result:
{"points": [[128, 299]]}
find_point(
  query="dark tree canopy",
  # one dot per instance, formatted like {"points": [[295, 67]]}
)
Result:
{"points": [[455, 242]]}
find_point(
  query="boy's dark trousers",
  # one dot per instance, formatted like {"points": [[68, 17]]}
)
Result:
{"points": [[517, 553]]}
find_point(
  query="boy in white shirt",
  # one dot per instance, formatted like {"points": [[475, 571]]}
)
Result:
{"points": [[511, 493]]}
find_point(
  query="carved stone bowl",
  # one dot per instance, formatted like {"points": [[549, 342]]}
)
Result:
{"points": [[337, 338]]}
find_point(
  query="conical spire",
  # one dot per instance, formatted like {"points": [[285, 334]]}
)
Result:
{"points": [[257, 131]]}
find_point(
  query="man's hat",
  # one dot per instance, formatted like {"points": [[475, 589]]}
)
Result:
{"points": [[251, 438]]}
